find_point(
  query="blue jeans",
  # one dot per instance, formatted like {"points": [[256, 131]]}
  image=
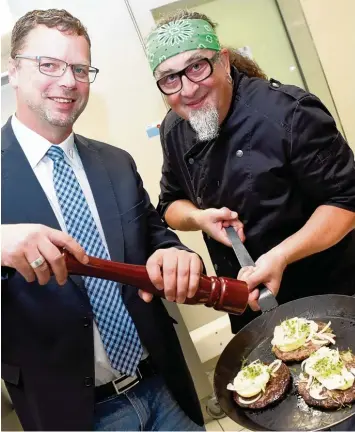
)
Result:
{"points": [[148, 406]]}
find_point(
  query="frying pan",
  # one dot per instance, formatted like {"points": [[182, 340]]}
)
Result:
{"points": [[254, 342]]}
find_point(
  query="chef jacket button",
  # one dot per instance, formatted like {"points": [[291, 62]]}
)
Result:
{"points": [[239, 153], [88, 381], [86, 322], [199, 200], [191, 161], [215, 267], [274, 83]]}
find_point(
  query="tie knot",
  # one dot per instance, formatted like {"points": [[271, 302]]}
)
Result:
{"points": [[55, 153]]}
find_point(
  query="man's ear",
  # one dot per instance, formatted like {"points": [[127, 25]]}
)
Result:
{"points": [[12, 69], [224, 58]]}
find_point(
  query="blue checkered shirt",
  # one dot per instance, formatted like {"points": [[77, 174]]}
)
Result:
{"points": [[117, 330]]}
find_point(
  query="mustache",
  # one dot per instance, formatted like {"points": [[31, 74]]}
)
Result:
{"points": [[195, 99], [63, 94]]}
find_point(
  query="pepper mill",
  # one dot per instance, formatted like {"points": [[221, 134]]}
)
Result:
{"points": [[221, 293]]}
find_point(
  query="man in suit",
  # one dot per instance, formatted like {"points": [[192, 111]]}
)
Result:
{"points": [[82, 353]]}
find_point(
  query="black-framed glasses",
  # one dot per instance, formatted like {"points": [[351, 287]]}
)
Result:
{"points": [[56, 68], [196, 72]]}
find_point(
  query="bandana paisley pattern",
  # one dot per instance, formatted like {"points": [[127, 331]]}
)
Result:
{"points": [[179, 36]]}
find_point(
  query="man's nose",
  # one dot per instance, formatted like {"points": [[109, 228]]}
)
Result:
{"points": [[189, 88], [67, 79]]}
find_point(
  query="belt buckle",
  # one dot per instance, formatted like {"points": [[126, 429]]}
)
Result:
{"points": [[126, 382]]}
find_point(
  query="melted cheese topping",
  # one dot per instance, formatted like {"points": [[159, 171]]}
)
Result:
{"points": [[296, 332], [252, 379], [328, 370]]}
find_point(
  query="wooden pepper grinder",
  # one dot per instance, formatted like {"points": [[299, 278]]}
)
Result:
{"points": [[221, 293]]}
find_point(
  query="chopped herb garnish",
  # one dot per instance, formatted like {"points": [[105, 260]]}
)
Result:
{"points": [[253, 370], [328, 366], [290, 328]]}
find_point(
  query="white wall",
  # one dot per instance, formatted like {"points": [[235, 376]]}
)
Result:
{"points": [[8, 103]]}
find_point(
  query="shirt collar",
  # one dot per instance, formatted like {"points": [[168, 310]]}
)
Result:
{"points": [[35, 146]]}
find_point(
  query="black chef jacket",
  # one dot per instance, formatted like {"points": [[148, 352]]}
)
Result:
{"points": [[278, 156]]}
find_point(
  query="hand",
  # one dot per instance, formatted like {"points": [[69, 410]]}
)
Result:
{"points": [[22, 244], [214, 221], [268, 270], [175, 271]]}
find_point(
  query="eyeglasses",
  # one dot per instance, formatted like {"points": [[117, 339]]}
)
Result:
{"points": [[195, 72], [56, 68]]}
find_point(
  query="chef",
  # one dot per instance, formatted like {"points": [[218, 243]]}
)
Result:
{"points": [[264, 157]]}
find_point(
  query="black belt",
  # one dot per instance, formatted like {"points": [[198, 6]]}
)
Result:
{"points": [[124, 382]]}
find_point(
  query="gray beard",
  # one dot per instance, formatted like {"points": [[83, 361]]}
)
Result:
{"points": [[205, 123]]}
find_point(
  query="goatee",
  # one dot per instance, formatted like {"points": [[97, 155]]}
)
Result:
{"points": [[205, 122]]}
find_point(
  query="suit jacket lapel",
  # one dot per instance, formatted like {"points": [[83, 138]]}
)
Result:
{"points": [[105, 198], [20, 185], [29, 203]]}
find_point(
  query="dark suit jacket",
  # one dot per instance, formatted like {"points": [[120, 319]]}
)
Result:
{"points": [[47, 334]]}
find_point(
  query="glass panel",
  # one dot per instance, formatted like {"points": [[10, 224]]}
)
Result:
{"points": [[307, 55]]}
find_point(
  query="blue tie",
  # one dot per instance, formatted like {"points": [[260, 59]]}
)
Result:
{"points": [[117, 330]]}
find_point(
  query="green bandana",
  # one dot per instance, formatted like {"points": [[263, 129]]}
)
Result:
{"points": [[179, 36]]}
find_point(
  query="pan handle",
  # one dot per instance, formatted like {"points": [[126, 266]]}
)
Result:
{"points": [[266, 300]]}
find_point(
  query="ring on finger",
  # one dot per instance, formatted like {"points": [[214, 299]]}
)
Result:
{"points": [[37, 262]]}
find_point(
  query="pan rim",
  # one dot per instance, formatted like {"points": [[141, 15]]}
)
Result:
{"points": [[330, 300]]}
